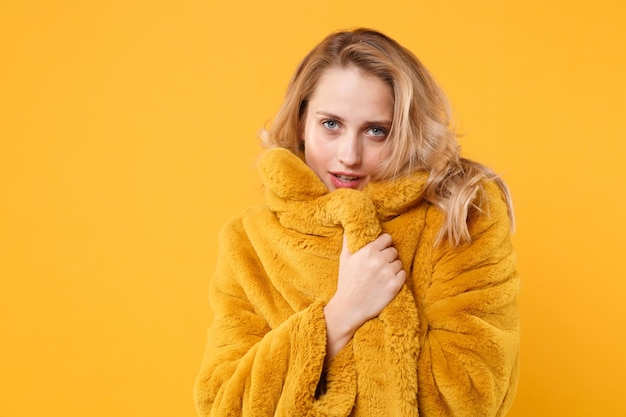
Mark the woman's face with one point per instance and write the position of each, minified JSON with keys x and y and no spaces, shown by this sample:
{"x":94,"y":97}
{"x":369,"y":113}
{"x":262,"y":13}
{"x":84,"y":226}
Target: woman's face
{"x":347,"y":121}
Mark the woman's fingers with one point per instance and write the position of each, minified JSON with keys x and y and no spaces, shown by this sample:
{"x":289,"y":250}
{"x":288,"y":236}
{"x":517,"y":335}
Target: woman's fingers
{"x":389,"y":254}
{"x":397,"y":266}
{"x":381,"y":242}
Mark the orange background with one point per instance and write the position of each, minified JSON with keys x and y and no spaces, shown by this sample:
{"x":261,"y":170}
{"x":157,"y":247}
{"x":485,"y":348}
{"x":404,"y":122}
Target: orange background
{"x":128,"y":137}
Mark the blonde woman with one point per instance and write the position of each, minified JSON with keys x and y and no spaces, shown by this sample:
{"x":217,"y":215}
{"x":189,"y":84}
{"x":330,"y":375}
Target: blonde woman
{"x":379,"y":279}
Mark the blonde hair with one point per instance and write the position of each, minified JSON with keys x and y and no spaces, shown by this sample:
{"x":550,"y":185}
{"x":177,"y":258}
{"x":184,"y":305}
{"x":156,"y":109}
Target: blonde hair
{"x":421,"y":136}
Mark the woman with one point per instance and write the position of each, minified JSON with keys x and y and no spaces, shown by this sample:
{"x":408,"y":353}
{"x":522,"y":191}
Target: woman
{"x":379,"y":280}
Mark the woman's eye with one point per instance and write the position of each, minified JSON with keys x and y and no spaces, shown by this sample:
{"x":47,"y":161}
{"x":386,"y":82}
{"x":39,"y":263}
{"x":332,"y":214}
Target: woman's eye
{"x":377,"y":131}
{"x":330,"y":124}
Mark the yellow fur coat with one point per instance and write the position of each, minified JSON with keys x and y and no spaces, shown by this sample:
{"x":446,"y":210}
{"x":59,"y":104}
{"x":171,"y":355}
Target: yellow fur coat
{"x":447,"y":345}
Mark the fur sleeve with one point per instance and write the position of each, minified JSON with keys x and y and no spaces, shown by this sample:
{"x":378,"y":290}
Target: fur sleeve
{"x":468,"y":365}
{"x":250,"y":369}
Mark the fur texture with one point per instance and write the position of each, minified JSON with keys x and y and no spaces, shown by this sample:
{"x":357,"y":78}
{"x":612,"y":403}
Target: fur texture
{"x":447,"y":345}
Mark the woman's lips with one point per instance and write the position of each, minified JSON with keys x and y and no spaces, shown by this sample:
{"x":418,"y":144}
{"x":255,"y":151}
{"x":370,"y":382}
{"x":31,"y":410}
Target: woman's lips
{"x":341,"y":180}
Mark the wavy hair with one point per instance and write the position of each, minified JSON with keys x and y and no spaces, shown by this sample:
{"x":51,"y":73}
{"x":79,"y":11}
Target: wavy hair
{"x":421,"y":137}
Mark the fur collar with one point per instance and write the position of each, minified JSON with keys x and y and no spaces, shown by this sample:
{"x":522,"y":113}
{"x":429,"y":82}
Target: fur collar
{"x":302,"y":202}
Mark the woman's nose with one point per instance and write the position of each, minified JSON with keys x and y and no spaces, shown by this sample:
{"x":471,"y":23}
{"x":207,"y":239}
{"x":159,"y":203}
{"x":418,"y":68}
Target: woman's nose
{"x":350,"y":151}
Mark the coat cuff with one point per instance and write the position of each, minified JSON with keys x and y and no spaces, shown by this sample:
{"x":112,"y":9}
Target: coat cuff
{"x":308,"y":351}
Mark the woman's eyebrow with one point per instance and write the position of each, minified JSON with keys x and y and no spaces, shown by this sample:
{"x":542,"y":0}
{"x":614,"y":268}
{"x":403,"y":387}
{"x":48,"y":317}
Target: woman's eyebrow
{"x":330,"y":115}
{"x":340,"y":119}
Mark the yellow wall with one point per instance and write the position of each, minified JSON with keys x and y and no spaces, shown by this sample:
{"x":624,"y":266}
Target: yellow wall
{"x":128,"y":136}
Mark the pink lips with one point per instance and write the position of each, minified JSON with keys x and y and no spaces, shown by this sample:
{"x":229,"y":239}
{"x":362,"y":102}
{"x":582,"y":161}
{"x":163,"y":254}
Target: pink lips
{"x":343,"y":180}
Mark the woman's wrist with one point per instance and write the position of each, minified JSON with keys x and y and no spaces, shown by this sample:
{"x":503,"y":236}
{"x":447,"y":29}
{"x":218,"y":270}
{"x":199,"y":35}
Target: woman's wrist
{"x":338,"y":329}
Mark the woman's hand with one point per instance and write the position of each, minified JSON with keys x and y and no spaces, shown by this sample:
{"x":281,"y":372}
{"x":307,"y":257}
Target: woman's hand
{"x":368,"y":280}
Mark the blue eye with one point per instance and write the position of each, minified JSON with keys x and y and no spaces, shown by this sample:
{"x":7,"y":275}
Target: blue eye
{"x":330,"y":124}
{"x":377,"y":131}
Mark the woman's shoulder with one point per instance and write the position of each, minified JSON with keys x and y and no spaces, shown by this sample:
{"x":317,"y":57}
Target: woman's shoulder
{"x":247,"y":213}
{"x":491,"y":204}
{"x":490,"y":211}
{"x":489,"y":220}
{"x":238,"y":226}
